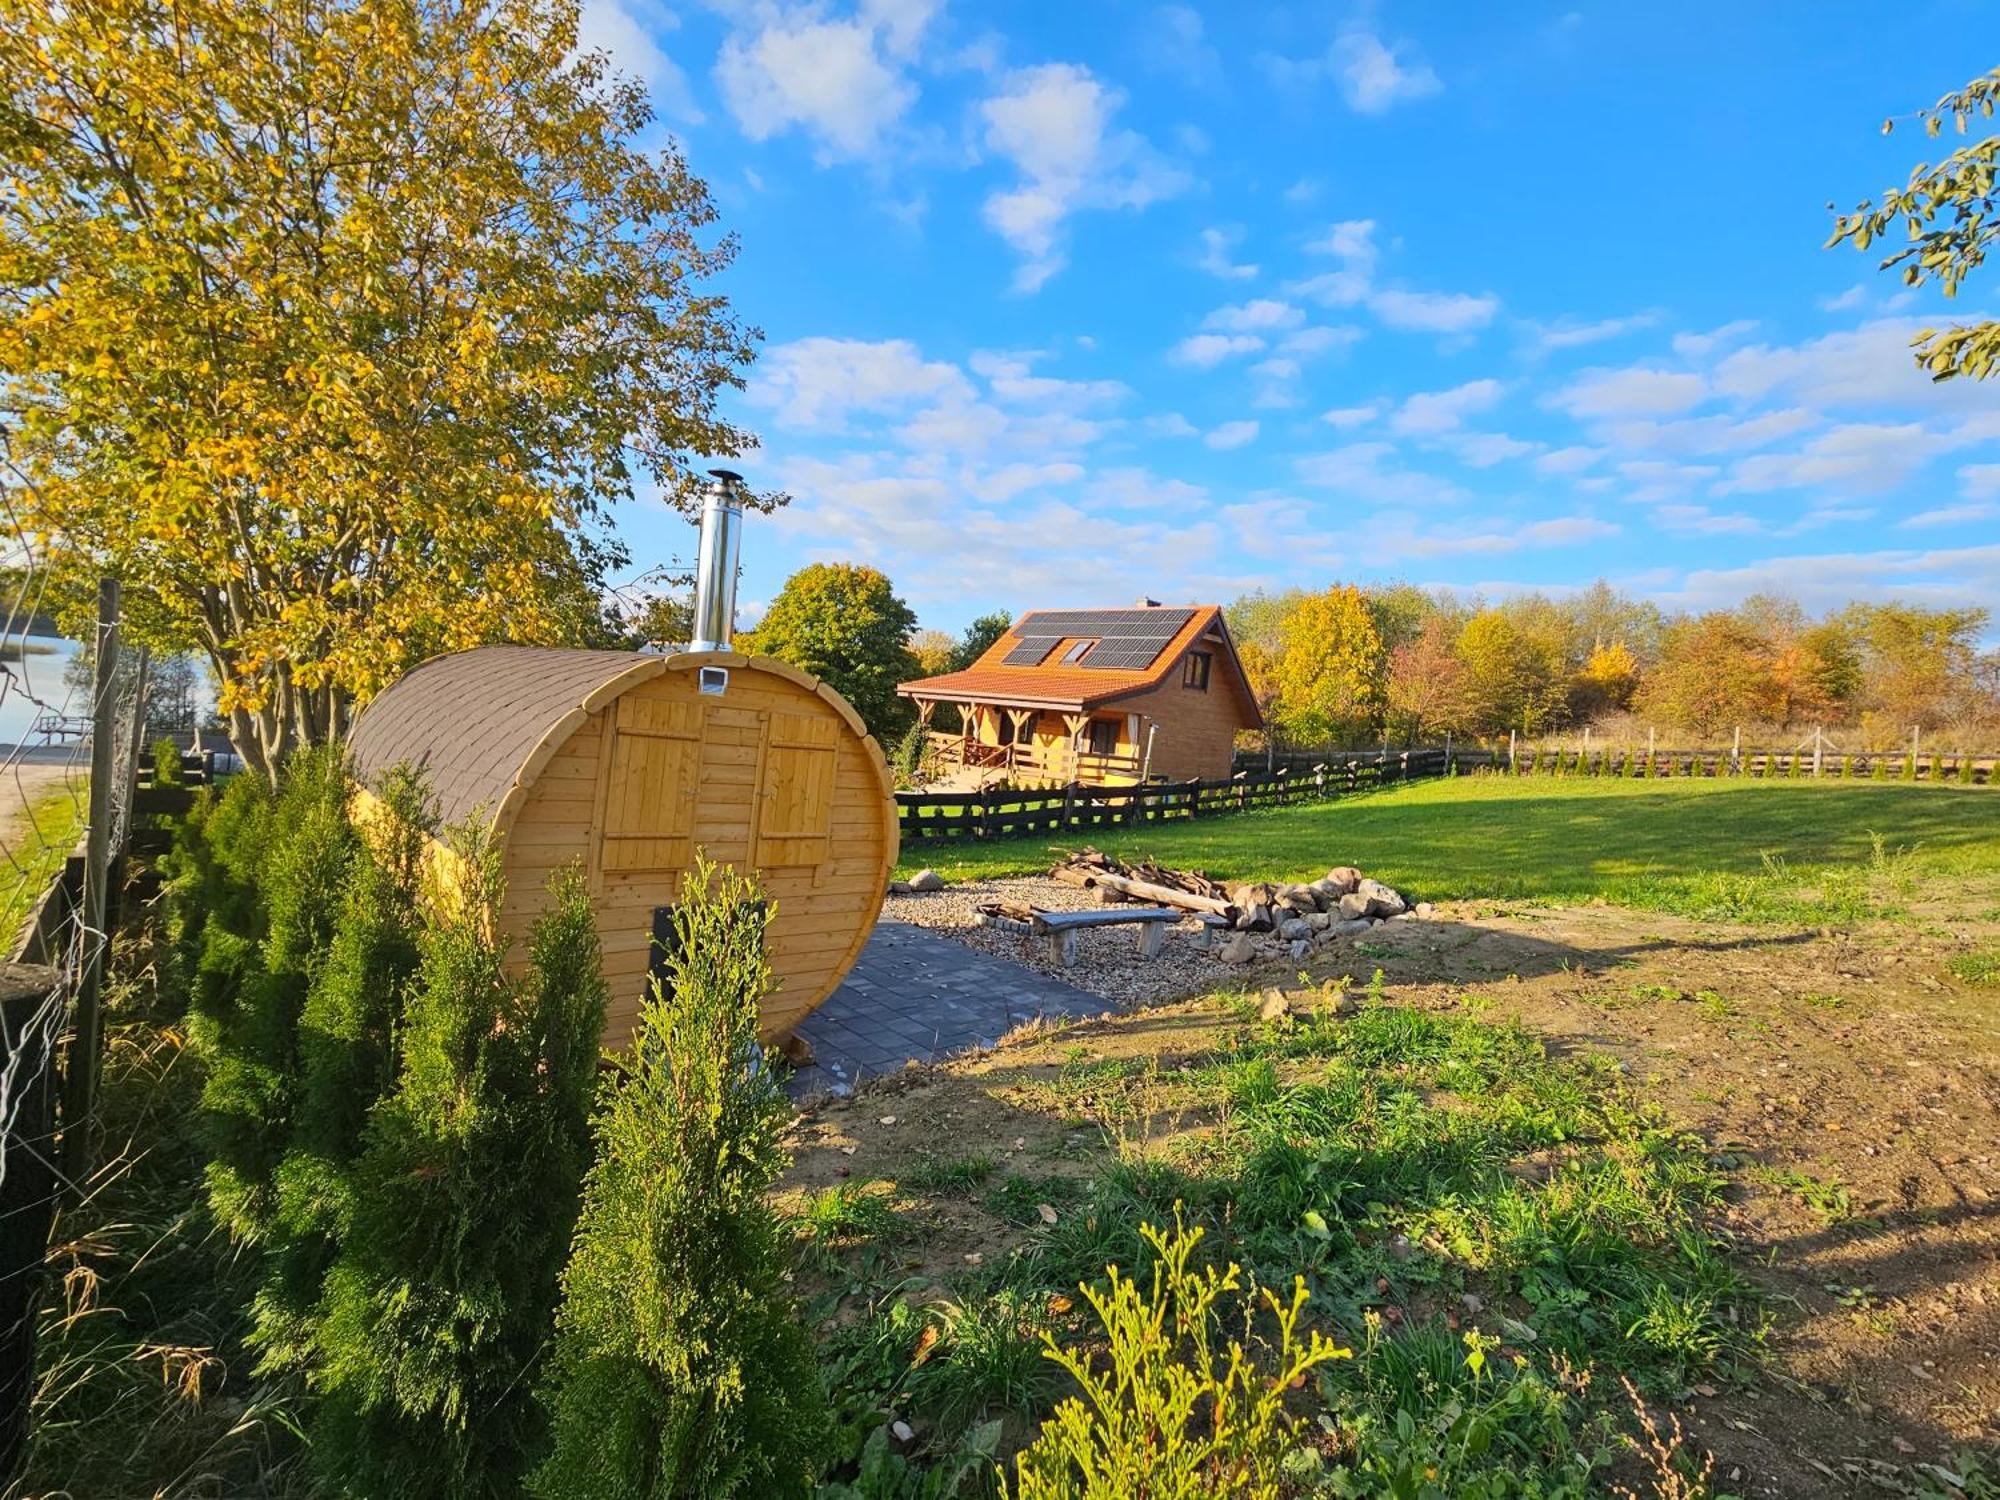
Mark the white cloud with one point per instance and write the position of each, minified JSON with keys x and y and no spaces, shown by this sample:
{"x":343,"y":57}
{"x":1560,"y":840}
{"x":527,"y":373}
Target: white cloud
{"x":1217,"y":249}
{"x":1174,"y":41}
{"x":1352,"y":242}
{"x":1011,"y":378}
{"x":1571,"y":460}
{"x":1482,"y":450}
{"x":1434,"y":312}
{"x":623,"y":30}
{"x":1953,"y":515}
{"x":1568,"y":333}
{"x":1261,"y":315}
{"x":1980,"y":481}
{"x":1171,"y":424}
{"x":1321,"y":339}
{"x":1231,"y":435}
{"x":1943,"y":577}
{"x":1053,"y":123}
{"x":1004,"y":483}
{"x":1345,"y":417}
{"x":1305,"y":190}
{"x":1865,"y":366}
{"x":1699,"y":520}
{"x":1633,"y":392}
{"x":1372,"y":472}
{"x":1206,"y":350}
{"x":1855,"y":296}
{"x":1860,"y":457}
{"x":820,"y":382}
{"x":842,"y":82}
{"x":1440,"y":411}
{"x":1374,"y":75}
{"x":1565,"y":531}
{"x":1701,"y":345}
{"x":1706,"y":436}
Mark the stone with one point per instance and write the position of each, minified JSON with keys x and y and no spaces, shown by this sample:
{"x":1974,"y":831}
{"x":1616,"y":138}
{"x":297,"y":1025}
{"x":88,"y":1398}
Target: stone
{"x":1298,"y":898}
{"x":1240,"y":949}
{"x":1255,"y":918}
{"x":1425,"y":910}
{"x":1300,"y":947}
{"x":1353,"y":906}
{"x":797,"y":1051}
{"x":1272,"y":1005}
{"x":899,"y":887}
{"x":1380,"y":900}
{"x":1326,"y":892}
{"x":1319,"y":921}
{"x":1349,"y":928}
{"x":1294,"y":930}
{"x":927,"y":880}
{"x":1343,"y":879}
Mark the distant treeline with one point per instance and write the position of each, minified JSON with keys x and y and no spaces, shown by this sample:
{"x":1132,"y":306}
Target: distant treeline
{"x":1354,"y":665}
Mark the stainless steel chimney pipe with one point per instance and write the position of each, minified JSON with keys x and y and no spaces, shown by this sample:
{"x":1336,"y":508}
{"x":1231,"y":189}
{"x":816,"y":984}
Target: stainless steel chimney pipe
{"x":715,"y":566}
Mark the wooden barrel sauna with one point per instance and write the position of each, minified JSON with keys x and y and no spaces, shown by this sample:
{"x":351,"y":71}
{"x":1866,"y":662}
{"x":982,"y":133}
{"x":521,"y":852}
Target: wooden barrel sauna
{"x":631,"y":763}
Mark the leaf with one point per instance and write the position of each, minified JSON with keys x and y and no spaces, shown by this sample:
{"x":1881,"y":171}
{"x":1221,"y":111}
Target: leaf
{"x":1047,"y":1211}
{"x":1314,"y":1223}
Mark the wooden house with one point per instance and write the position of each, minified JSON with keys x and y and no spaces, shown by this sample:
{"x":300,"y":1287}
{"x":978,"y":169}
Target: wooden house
{"x":630,"y":763}
{"x":1099,"y":696}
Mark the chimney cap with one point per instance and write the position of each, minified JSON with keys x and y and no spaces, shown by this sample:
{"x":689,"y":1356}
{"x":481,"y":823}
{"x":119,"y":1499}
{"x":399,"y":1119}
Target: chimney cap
{"x":729,"y":477}
{"x":1146,"y":603}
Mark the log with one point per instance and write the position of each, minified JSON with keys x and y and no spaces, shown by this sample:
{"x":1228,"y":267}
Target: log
{"x":1162,"y":895}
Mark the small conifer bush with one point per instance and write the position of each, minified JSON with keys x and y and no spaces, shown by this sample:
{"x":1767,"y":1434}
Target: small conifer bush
{"x":438,"y":1307}
{"x":681,"y":1368}
{"x":347,"y":1060}
{"x":1163,"y":1412}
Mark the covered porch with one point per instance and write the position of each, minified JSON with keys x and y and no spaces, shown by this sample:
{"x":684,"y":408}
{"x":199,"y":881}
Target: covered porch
{"x":1034,"y":744}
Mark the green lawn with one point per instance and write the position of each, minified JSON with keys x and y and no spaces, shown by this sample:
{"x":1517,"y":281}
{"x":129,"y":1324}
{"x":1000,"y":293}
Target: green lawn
{"x":1754,"y":850}
{"x":37,"y":842}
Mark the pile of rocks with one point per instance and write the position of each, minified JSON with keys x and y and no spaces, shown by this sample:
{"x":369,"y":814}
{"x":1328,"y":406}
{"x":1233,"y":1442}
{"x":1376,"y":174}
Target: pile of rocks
{"x":1339,"y":904}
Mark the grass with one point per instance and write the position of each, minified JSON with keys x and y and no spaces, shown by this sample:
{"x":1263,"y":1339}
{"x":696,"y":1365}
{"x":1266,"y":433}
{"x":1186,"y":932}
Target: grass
{"x":1727,"y":849}
{"x":1482,"y":1222}
{"x":1982,"y":968}
{"x":37,"y":842}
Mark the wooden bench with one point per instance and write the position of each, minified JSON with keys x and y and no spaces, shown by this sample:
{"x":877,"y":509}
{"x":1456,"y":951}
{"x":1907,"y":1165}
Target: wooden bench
{"x":1211,"y":927}
{"x":1061,"y":928}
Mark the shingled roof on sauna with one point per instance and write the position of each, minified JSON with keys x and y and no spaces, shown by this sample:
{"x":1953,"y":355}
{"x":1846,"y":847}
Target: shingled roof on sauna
{"x":472,"y":721}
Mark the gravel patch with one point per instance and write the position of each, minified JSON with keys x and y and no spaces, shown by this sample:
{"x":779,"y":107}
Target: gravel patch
{"x":1108,"y":961}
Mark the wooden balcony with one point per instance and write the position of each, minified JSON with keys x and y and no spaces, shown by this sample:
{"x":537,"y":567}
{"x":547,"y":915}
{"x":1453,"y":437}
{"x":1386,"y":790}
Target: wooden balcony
{"x":1055,"y":764}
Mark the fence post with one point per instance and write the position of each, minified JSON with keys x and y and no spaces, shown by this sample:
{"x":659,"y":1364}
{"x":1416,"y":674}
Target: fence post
{"x":31,"y":1011}
{"x":86,"y":1045}
{"x":1736,"y":753}
{"x":1818,"y":749}
{"x":1512,"y":768}
{"x":1913,"y":751}
{"x":1447,"y":752}
{"x":1069,"y":805}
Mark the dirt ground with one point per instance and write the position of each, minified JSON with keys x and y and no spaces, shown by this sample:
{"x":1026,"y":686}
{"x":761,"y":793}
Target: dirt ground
{"x":1849,"y":1078}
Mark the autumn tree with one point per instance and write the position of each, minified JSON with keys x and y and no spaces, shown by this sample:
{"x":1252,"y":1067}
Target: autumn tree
{"x":1947,"y":216}
{"x":1425,"y":687}
{"x":1329,"y":668}
{"x":843,"y":623}
{"x":1606,"y":682}
{"x":1916,"y":662}
{"x":335,"y":328}
{"x":1714,"y":672}
{"x":933,"y":651}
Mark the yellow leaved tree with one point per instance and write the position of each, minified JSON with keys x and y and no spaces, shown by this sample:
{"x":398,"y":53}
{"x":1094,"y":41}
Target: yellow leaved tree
{"x":333,"y":328}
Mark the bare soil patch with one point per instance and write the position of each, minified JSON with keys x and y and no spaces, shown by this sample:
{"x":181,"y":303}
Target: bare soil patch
{"x":1849,"y":1080}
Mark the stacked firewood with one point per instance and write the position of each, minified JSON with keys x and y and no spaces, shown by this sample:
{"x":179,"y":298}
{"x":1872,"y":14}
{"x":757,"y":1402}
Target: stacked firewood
{"x":1340,"y":902}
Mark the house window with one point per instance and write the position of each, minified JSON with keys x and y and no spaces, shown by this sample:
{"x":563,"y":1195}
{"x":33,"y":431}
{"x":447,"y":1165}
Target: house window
{"x":1194,"y":671}
{"x":1103,"y":736}
{"x":1077,"y":653}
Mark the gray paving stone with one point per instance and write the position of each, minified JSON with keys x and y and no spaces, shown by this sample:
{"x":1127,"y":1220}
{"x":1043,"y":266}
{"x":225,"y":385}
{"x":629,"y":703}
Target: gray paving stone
{"x":914,"y":994}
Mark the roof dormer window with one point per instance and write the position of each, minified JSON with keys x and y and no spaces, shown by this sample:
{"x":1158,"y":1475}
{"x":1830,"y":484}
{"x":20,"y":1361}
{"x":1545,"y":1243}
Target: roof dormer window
{"x":1077,"y":652}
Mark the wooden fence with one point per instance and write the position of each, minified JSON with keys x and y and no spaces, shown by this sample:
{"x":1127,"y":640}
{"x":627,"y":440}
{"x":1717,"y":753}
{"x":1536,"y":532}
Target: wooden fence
{"x":1761,"y":765}
{"x":954,"y":817}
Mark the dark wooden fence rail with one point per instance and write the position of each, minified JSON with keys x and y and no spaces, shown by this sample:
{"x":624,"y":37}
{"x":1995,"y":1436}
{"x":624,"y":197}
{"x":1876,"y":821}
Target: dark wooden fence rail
{"x":953,"y":817}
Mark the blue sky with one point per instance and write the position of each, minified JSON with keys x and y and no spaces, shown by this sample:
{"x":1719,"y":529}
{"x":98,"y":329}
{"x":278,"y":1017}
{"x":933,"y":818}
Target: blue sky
{"x":1066,"y":304}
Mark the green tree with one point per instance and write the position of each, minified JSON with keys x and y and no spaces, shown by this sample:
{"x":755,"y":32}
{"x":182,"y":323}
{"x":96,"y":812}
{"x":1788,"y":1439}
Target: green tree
{"x":978,"y":637}
{"x":1514,"y":679}
{"x":1947,"y":215}
{"x":934,"y":652}
{"x":681,"y":1368}
{"x":1329,"y":669}
{"x":334,"y":328}
{"x":843,"y":623}
{"x":440,"y":1302}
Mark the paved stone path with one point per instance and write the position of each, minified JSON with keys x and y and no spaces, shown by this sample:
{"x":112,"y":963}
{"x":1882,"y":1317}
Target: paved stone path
{"x":915,"y":994}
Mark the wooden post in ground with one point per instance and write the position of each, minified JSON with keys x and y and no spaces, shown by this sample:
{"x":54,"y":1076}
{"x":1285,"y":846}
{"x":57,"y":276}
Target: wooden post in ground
{"x":1914,"y":731}
{"x":1736,"y":753}
{"x":31,"y":1008}
{"x":1818,"y":749}
{"x":1447,"y":752}
{"x":1513,"y":768}
{"x":86,"y":1045}
{"x":1649,"y":749}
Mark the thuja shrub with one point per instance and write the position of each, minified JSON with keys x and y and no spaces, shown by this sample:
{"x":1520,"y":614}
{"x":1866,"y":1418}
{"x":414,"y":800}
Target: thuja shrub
{"x":250,"y":1051}
{"x":440,"y":1300}
{"x":1163,"y":1411}
{"x":681,"y":1367}
{"x":215,"y":912}
{"x":347,"y":1060}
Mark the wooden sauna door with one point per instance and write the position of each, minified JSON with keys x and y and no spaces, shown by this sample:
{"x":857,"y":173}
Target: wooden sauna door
{"x":795,"y":791}
{"x":651,"y":785}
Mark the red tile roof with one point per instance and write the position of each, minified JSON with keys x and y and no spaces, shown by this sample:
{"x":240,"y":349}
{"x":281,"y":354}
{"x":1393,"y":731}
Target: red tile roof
{"x":1073,"y":688}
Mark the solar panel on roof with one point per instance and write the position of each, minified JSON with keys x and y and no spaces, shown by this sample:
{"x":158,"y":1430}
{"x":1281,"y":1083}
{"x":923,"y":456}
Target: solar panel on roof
{"x":1030,"y":650}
